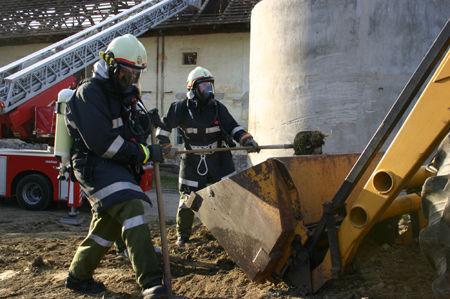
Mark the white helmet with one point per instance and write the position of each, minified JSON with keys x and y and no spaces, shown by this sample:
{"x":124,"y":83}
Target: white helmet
{"x":197,"y":75}
{"x":125,"y":52}
{"x":200,"y":85}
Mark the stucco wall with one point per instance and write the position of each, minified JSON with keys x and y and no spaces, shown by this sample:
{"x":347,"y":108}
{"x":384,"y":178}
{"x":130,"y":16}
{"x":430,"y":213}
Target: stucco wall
{"x":9,"y":54}
{"x":225,"y":55}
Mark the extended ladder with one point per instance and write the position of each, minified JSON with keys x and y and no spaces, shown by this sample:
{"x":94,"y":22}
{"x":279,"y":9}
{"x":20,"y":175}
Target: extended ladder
{"x":23,"y":79}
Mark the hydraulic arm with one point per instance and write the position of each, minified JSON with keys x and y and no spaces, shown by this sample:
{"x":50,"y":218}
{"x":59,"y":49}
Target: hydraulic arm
{"x":276,"y":219}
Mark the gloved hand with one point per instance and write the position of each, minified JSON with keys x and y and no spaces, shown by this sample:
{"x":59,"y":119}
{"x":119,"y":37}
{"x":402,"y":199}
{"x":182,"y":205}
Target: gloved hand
{"x":154,"y":117}
{"x":156,"y":154}
{"x":248,"y":141}
{"x":152,"y":152}
{"x":168,"y":151}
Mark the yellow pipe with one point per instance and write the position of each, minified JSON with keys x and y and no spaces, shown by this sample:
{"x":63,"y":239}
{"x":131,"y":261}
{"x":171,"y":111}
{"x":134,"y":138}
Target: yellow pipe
{"x":403,"y":205}
{"x":419,"y":178}
{"x":430,"y":118}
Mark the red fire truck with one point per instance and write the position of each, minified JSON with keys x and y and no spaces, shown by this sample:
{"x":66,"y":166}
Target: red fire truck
{"x":28,"y":92}
{"x":32,"y":175}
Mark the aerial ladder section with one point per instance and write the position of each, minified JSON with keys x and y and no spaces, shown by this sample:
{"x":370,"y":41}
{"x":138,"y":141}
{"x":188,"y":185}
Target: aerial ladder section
{"x":27,"y":77}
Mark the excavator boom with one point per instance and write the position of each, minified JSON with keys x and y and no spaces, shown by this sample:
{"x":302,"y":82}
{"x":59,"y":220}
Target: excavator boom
{"x":301,"y":219}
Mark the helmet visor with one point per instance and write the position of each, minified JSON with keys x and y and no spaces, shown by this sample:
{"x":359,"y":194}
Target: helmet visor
{"x":128,"y":76}
{"x":206,"y":88}
{"x":205,"y":91}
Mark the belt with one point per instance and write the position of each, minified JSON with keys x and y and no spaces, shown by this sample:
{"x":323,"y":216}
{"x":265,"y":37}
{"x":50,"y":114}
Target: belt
{"x":203,"y":156}
{"x":200,"y":147}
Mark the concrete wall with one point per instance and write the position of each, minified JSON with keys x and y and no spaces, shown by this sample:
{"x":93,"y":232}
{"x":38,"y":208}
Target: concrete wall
{"x":336,"y":66}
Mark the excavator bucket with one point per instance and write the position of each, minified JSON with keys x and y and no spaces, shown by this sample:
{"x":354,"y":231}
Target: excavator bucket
{"x":256,"y":214}
{"x":271,"y":218}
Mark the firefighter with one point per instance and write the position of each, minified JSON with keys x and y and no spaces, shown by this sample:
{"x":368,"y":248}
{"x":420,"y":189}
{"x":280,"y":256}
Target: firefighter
{"x":203,"y":123}
{"x":105,"y":120}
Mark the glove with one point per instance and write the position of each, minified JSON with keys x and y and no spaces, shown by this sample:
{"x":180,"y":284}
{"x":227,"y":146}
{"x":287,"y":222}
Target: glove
{"x":156,"y":154}
{"x":154,"y":117}
{"x":152,"y":152}
{"x":248,"y":141}
{"x":168,"y":151}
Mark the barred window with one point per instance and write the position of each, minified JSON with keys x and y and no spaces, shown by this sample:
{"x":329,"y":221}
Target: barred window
{"x":190,"y":58}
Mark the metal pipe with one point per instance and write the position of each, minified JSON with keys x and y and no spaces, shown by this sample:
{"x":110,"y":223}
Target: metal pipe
{"x":402,"y":205}
{"x":162,"y":73}
{"x":418,"y":178}
{"x":241,"y":148}
{"x":157,"y":72}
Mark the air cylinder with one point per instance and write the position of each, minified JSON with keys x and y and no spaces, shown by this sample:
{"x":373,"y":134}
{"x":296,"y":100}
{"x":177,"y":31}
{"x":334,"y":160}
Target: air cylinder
{"x":63,"y":142}
{"x":333,"y":66}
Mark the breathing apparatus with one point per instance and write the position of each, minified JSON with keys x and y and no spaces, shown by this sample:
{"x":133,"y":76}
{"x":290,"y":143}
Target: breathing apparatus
{"x":63,"y":141}
{"x":127,"y":59}
{"x":139,"y":119}
{"x":200,"y":85}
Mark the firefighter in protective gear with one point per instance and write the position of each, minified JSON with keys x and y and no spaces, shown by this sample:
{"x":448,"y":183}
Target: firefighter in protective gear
{"x":107,"y":155}
{"x":203,"y":123}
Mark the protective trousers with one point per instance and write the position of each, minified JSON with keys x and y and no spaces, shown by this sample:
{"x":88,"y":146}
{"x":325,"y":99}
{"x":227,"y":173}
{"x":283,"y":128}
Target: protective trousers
{"x":218,"y":166}
{"x":185,"y":218}
{"x":125,"y":219}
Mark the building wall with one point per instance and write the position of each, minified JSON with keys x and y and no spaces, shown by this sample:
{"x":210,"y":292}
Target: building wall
{"x":225,"y":55}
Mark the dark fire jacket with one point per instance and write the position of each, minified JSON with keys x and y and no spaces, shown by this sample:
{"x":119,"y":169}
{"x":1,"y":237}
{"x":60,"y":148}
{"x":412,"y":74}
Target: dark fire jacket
{"x":202,"y":126}
{"x":103,"y":155}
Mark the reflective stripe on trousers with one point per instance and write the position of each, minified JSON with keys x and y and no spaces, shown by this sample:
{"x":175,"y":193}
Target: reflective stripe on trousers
{"x":124,"y":219}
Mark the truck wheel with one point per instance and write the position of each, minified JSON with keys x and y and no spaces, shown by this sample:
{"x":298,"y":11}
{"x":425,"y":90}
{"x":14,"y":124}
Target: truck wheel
{"x":433,"y":239}
{"x":34,"y":192}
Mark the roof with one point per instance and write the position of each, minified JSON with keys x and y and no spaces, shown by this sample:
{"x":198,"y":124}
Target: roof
{"x":51,"y":20}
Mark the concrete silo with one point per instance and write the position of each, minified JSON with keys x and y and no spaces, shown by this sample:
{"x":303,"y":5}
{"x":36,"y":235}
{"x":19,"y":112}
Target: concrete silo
{"x":335,"y":66}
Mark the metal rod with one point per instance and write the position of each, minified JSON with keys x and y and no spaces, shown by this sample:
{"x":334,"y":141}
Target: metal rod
{"x":241,"y":148}
{"x":157,"y":72}
{"x":163,"y":54}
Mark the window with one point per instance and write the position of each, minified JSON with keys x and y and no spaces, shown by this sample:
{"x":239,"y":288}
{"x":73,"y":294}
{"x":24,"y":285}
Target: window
{"x":190,"y":58}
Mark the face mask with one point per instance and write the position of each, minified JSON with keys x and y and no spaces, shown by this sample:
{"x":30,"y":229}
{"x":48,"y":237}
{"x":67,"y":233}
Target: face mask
{"x":125,"y":77}
{"x":205,"y":92}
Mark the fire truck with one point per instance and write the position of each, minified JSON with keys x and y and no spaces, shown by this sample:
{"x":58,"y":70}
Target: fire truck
{"x":28,"y":92}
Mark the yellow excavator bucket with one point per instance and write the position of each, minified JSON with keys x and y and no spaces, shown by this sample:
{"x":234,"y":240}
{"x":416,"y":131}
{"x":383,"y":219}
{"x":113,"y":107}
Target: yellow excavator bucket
{"x":302,"y":218}
{"x":256,"y":214}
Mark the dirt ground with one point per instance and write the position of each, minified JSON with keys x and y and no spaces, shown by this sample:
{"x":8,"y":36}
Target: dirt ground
{"x":36,"y":250}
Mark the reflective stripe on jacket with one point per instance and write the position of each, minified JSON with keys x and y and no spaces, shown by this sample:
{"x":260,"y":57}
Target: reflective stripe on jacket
{"x":201,"y":126}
